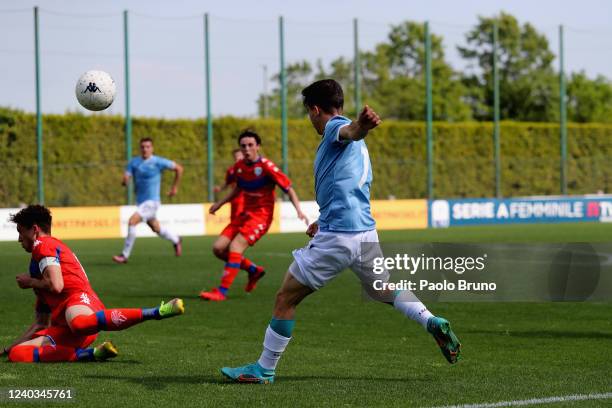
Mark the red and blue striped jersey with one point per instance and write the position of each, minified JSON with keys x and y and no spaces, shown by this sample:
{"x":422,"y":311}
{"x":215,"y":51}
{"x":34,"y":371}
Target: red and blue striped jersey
{"x":257,"y":181}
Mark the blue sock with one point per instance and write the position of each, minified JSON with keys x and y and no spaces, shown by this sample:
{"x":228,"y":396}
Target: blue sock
{"x":282,"y":327}
{"x":223,"y":290}
{"x":150,"y":313}
{"x":252,"y":269}
{"x":85,"y":354}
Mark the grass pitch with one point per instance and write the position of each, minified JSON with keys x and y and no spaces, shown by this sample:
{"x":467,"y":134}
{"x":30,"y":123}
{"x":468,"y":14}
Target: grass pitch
{"x":344,"y":352}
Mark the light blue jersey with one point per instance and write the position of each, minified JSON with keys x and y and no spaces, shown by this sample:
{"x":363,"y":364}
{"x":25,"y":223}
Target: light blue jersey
{"x":343,"y":175}
{"x":147,"y":176}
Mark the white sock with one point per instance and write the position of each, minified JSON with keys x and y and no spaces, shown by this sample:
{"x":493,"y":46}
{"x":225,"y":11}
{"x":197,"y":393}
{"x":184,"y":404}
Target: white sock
{"x":411,"y":307}
{"x":167,"y":234}
{"x":129,"y":241}
{"x":274,"y":345}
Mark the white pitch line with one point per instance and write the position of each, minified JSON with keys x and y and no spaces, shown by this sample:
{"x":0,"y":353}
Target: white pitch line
{"x":535,"y":401}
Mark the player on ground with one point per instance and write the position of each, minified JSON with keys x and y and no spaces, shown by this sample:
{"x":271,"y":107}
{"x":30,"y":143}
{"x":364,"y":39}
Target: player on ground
{"x":255,"y":178}
{"x":237,"y":204}
{"x":146,"y":170}
{"x":342,"y":184}
{"x":69,"y":313}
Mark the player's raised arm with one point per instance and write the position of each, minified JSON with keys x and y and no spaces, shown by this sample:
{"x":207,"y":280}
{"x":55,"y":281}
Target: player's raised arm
{"x":358,"y":129}
{"x":178,"y":173}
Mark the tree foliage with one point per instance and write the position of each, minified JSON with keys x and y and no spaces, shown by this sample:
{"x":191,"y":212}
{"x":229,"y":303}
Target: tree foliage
{"x":393,"y":78}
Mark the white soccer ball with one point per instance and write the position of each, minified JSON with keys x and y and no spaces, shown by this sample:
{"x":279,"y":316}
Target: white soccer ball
{"x":95,"y":90}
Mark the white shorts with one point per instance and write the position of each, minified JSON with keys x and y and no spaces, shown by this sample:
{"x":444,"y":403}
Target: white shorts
{"x":148,"y":209}
{"x":329,"y":253}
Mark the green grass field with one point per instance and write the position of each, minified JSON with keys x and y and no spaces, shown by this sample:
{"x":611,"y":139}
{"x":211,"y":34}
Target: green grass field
{"x":345,"y":352}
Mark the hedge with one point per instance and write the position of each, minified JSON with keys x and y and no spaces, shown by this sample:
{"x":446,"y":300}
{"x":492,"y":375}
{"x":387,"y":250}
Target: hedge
{"x":84,"y":157}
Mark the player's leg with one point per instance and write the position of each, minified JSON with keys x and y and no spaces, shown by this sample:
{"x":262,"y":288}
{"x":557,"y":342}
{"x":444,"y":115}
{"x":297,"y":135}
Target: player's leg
{"x":134,"y":220}
{"x":277,"y":336}
{"x":253,"y":230}
{"x":220,"y":247}
{"x":82,"y":320}
{"x":165,"y":233}
{"x":315,"y":265}
{"x":236,"y":248}
{"x":48,"y":349}
{"x":221,"y":250}
{"x":405,"y":301}
{"x":256,"y":272}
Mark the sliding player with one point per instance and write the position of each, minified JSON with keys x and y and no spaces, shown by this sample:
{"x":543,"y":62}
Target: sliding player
{"x":69,"y":313}
{"x":342,"y":182}
{"x":256,"y":178}
{"x":146,"y":170}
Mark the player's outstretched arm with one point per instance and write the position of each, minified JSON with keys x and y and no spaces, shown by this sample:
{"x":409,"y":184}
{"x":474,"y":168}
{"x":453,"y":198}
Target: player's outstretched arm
{"x":215,"y":207}
{"x":178,"y":173}
{"x":125,"y":179}
{"x":42,"y":321}
{"x":358,"y":129}
{"x":296,"y":203}
{"x":218,"y":189}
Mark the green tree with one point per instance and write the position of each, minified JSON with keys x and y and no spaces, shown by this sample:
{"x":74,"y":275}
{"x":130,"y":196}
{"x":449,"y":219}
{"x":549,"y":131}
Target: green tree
{"x":299,"y":75}
{"x":527,"y":81}
{"x":589,"y":100}
{"x":394,"y":76}
{"x":393,"y":79}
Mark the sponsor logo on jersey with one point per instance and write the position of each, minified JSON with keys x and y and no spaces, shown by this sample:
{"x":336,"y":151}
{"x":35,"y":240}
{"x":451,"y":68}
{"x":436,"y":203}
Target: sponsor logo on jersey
{"x":118,"y":318}
{"x":85,"y":298}
{"x":258,"y":170}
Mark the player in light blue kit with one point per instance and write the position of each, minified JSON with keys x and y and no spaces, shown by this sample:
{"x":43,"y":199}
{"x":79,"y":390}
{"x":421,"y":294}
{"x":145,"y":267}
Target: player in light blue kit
{"x":146,"y":170}
{"x":343,"y":175}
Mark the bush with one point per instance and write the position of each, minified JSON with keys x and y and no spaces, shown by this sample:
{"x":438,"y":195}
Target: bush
{"x":84,"y":157}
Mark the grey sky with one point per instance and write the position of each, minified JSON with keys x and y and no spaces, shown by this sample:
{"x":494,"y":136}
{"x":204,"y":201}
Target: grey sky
{"x":167,"y":68}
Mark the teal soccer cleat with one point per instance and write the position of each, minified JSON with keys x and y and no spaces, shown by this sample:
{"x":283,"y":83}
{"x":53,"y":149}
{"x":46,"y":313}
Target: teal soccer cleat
{"x":250,"y":373}
{"x":449,"y":344}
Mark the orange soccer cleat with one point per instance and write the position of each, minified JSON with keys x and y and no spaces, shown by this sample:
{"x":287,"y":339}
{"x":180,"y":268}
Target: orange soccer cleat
{"x":214,"y":295}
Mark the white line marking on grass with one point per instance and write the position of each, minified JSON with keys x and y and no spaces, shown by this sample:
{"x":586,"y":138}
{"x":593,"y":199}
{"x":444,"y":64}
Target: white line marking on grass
{"x":535,"y":401}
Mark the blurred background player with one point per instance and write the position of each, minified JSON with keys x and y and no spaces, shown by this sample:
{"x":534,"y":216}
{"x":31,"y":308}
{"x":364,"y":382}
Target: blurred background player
{"x":230,"y":182}
{"x":256,"y":178}
{"x":343,"y":175}
{"x":69,"y":313}
{"x":146,"y":170}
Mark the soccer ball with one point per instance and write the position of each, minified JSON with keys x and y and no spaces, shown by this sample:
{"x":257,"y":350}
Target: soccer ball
{"x":95,"y":90}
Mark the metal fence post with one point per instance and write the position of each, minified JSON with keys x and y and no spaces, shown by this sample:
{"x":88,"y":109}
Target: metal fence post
{"x":429,"y":113}
{"x":128,"y":117}
{"x":209,"y":119}
{"x":39,"y":129}
{"x":498,"y":192}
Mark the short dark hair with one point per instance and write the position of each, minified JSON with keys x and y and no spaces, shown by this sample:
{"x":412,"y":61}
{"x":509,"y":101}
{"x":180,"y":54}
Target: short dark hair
{"x":145,"y":139}
{"x":249,"y":133}
{"x":33,"y":215}
{"x":327,"y":94}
